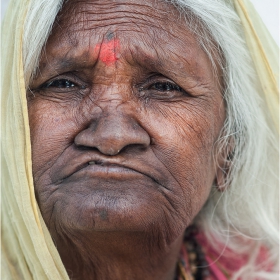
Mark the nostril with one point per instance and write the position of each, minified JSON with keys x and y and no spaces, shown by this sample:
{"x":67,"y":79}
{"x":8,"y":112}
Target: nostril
{"x":95,"y":162}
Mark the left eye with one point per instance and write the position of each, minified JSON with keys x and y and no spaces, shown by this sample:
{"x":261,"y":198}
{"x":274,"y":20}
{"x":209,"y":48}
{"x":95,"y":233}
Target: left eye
{"x":165,"y":86}
{"x":62,"y":83}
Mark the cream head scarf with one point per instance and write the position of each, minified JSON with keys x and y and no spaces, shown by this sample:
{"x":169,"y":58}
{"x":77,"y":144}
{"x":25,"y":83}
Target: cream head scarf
{"x":27,"y":248}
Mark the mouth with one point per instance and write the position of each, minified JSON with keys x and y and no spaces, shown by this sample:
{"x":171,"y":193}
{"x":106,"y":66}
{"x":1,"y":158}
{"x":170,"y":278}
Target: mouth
{"x":96,"y":166}
{"x":109,"y":168}
{"x":79,"y":165}
{"x":106,"y":171}
{"x":101,"y":163}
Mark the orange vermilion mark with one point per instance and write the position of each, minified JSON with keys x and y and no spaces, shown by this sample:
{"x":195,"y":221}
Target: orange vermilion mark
{"x":107,"y":51}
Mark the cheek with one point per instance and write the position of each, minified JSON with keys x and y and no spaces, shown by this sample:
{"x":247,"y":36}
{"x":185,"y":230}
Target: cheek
{"x":184,"y":141}
{"x":52,"y":129}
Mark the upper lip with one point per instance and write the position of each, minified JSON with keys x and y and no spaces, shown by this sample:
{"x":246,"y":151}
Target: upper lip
{"x":82,"y":159}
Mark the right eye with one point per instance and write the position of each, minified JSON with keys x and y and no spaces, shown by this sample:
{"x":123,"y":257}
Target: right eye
{"x":61,"y":83}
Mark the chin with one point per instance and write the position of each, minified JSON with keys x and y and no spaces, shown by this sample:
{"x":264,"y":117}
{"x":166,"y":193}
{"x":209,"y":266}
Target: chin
{"x":112,"y":206}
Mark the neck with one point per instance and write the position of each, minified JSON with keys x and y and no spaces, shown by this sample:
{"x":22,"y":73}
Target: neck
{"x":118,"y":255}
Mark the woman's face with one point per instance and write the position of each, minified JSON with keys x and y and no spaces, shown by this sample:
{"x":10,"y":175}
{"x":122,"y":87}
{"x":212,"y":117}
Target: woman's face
{"x":124,"y":113}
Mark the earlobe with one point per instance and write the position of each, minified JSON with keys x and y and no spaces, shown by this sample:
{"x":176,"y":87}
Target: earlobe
{"x":224,"y":165}
{"x":221,"y":179}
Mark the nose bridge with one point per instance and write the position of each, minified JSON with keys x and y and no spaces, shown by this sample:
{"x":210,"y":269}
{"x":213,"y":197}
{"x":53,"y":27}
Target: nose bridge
{"x":117,"y":113}
{"x":113,"y":92}
{"x":113,"y":124}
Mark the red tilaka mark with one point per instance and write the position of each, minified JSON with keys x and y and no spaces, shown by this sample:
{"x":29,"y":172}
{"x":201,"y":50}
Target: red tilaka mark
{"x":107,"y":51}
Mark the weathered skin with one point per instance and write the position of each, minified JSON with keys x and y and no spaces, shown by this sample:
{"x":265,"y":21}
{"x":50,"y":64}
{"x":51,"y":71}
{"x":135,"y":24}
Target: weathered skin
{"x":152,"y":143}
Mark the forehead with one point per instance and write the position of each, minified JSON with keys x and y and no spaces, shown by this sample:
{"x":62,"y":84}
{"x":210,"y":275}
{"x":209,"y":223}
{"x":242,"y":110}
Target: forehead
{"x":150,"y":35}
{"x":123,"y":15}
{"x":138,"y":25}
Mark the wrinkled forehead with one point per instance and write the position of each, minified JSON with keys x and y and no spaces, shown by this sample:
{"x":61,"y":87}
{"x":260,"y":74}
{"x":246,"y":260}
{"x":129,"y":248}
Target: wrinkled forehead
{"x":121,"y":14}
{"x":151,"y":34}
{"x":134,"y":20}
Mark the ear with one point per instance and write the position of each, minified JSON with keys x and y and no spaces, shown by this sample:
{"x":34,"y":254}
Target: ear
{"x":224,"y":160}
{"x":221,"y":180}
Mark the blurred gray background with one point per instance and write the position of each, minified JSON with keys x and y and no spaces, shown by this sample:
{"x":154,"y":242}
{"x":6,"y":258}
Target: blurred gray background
{"x":268,"y":9}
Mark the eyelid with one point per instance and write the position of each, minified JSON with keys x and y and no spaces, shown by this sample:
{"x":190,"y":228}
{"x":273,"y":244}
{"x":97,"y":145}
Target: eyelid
{"x":156,"y":78}
{"x":65,"y":76}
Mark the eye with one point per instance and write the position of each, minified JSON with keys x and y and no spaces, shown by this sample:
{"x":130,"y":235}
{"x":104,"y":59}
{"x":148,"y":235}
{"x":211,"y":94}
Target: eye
{"x":165,"y":86}
{"x":159,"y":87}
{"x":61,"y":83}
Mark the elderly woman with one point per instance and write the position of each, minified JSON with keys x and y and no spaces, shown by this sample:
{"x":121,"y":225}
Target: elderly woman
{"x":139,"y":142}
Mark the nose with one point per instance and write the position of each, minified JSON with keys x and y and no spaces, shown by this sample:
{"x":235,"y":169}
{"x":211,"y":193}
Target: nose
{"x":112,"y":133}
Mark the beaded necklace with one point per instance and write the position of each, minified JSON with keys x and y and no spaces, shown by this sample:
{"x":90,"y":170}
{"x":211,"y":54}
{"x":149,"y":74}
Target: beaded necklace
{"x":192,"y":264}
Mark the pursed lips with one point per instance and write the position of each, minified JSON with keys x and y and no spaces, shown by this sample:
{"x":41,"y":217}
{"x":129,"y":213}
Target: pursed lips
{"x":105,"y":169}
{"x":102,"y":166}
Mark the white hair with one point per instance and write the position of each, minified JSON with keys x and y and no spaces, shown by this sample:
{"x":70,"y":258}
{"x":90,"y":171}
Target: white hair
{"x":245,"y":215}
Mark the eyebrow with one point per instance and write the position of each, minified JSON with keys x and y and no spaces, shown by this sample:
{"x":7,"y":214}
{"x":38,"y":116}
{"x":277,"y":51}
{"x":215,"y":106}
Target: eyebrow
{"x":64,"y":64}
{"x":147,"y":59}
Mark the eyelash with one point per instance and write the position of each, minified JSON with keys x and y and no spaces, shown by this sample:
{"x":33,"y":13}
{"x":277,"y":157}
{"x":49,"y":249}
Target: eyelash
{"x":168,"y":87}
{"x":57,"y":84}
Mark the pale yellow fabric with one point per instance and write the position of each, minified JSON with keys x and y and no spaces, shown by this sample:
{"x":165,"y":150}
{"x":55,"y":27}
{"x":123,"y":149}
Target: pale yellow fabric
{"x":265,"y":55}
{"x":27,"y":249}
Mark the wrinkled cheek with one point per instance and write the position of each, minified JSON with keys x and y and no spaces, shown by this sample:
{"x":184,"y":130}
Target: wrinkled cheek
{"x":193,"y":169}
{"x":50,"y":136}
